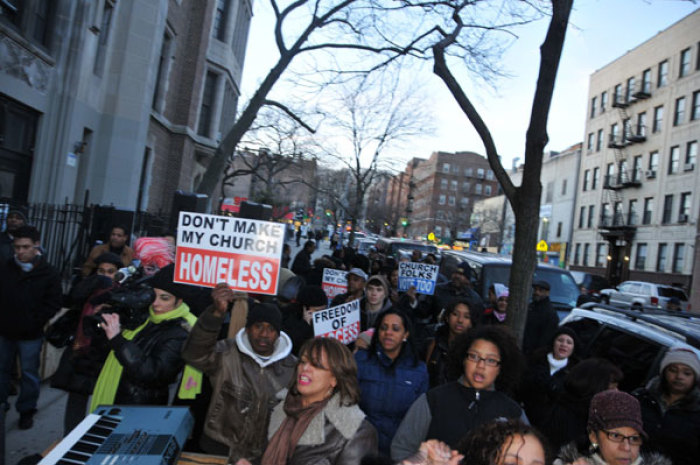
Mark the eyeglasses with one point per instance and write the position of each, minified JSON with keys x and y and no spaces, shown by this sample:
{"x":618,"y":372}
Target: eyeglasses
{"x":475,"y":358}
{"x":634,"y":440}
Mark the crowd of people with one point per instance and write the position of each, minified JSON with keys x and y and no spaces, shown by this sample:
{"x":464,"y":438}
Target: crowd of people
{"x":431,"y":379}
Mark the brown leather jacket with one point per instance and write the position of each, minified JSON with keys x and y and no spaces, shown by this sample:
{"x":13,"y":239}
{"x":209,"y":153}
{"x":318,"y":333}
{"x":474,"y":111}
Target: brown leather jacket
{"x":89,"y":266}
{"x":244,"y":387}
{"x":338,"y":435}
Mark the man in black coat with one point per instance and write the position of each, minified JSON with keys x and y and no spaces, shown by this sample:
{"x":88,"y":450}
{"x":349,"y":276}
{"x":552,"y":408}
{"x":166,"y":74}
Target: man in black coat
{"x":302,"y":262}
{"x":30,"y":294}
{"x":542,"y":321}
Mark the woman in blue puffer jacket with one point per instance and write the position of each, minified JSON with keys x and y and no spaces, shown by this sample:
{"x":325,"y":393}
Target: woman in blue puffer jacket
{"x":390,"y":374}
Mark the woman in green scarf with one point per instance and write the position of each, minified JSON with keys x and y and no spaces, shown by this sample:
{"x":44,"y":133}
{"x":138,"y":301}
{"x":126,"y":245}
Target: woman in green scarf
{"x":144,"y":361}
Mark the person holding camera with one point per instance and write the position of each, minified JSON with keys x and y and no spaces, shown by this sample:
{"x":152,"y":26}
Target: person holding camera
{"x":145,"y":360}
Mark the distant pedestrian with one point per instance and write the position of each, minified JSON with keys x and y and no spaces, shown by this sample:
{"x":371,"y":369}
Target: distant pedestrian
{"x":542,"y":321}
{"x":302,"y":262}
{"x":298,"y":236}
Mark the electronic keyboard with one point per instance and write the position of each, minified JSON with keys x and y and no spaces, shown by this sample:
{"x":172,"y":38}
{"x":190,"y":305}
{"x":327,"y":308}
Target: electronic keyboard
{"x":120,"y":434}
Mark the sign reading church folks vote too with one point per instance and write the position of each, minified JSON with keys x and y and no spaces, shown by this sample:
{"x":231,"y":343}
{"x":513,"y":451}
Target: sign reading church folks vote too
{"x":341,"y":322}
{"x":419,"y":275}
{"x":244,"y":253}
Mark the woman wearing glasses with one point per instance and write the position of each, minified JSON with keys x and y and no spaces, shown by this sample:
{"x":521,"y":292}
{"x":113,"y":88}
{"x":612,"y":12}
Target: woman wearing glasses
{"x":490,"y":364}
{"x":615,"y":434}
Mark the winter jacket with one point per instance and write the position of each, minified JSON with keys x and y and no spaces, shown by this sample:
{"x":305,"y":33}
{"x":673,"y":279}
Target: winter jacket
{"x":244,"y":386}
{"x":28,"y":299}
{"x":539,"y":389}
{"x":447,"y":413}
{"x":338,"y":435}
{"x":151,"y":362}
{"x":673,"y":430}
{"x":570,"y":454}
{"x":438,"y":364}
{"x":387,"y":392}
{"x":127,"y":256}
{"x":565,"y":420}
{"x":446,"y":293}
{"x":542,"y":322}
{"x":301,"y":265}
{"x":294,"y":325}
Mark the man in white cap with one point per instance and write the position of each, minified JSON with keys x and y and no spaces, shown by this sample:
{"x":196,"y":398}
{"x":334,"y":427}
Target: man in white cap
{"x":356,"y":287}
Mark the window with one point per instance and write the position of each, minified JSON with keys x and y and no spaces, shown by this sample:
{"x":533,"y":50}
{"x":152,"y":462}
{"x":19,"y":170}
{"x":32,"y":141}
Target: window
{"x":678,"y":251}
{"x":618,"y":220}
{"x":600,"y":255}
{"x":648,"y":210}
{"x":646,"y":81}
{"x":440,"y":215}
{"x":599,"y":141}
{"x":455,"y":169}
{"x":480,"y":173}
{"x":443,"y":184}
{"x":441,"y":199}
{"x":605,"y":214}
{"x":586,"y":253}
{"x":679,"y":113}
{"x":577,"y":253}
{"x":206,"y":109}
{"x":162,"y":74}
{"x":695,"y":112}
{"x":662,"y":78}
{"x":228,"y":109}
{"x":103,"y":38}
{"x":684,"y":68}
{"x":630,"y":89}
{"x":603,"y":101}
{"x":691,"y":154}
{"x":240,"y":30}
{"x":684,"y":208}
{"x":586,"y":179}
{"x":453,"y":185}
{"x":468,"y":172}
{"x":477,"y":189}
{"x":220,"y":17}
{"x":446,"y":168}
{"x":642,"y":124}
{"x":632,"y":213}
{"x":637,"y":168}
{"x":617,"y":95}
{"x":487,"y":190}
{"x":654,"y":160}
{"x":641,"y":256}
{"x":591,"y":216}
{"x":563,"y":187}
{"x":658,"y":118}
{"x":596,"y":177}
{"x":661,"y":257}
{"x":559,"y":227}
{"x":674,"y":161}
{"x":451,"y":201}
{"x":464,"y":201}
{"x":609,"y":175}
{"x":489,"y":175}
{"x":594,"y":105}
{"x":465,"y":186}
{"x":668,"y":209}
{"x":591,"y":141}
{"x":614,"y":133}
{"x":582,"y":217}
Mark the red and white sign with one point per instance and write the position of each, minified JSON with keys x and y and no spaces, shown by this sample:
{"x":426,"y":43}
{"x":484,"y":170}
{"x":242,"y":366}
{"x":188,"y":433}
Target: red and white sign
{"x":334,"y":282}
{"x":341,"y":322}
{"x":243,"y":253}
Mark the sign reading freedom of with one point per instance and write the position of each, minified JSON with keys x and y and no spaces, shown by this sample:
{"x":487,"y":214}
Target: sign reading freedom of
{"x":334,"y":282}
{"x":341,"y":322}
{"x":419,"y":275}
{"x":244,"y":253}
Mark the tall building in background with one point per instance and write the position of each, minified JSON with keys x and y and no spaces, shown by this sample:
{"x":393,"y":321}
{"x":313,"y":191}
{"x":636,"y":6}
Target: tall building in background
{"x":125,"y":99}
{"x":637,"y":206}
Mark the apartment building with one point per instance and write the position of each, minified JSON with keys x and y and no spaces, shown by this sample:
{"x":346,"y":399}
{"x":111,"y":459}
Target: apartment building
{"x":637,"y":203}
{"x":124,"y":100}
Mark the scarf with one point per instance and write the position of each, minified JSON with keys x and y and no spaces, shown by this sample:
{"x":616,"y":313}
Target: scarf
{"x":284,"y":441}
{"x":24,"y":266}
{"x":554,"y":364}
{"x":108,"y":381}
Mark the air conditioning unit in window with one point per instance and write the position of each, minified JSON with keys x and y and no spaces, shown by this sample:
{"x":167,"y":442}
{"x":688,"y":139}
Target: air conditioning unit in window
{"x":682,"y":218}
{"x":689,"y":167}
{"x":651,"y":174}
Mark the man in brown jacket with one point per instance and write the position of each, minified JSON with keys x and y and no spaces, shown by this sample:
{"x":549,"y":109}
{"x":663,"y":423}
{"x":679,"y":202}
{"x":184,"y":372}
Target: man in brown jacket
{"x":116,"y":245}
{"x":246,"y":371}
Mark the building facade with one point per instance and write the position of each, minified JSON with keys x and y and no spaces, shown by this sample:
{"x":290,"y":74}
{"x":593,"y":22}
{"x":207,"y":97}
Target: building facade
{"x":123,"y":99}
{"x":637,"y":206}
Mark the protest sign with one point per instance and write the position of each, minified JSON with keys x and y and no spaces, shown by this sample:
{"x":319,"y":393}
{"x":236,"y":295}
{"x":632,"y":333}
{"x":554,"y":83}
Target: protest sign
{"x":341,"y":322}
{"x":243,"y":253}
{"x":334,"y":282}
{"x":419,"y":275}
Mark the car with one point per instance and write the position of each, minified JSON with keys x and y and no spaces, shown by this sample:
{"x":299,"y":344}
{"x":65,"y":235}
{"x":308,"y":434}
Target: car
{"x":491,"y":268}
{"x":634,"y":341}
{"x":590,"y":283}
{"x":363,"y":245}
{"x":640,"y":295}
{"x":391,"y":247}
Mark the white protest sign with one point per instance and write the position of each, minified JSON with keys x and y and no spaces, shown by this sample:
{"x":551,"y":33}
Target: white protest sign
{"x":341,"y":322}
{"x":334,"y":282}
{"x":243,"y":253}
{"x":419,"y":275}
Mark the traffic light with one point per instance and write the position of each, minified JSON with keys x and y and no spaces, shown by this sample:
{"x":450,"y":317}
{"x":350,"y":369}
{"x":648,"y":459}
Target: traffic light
{"x":404,"y":222}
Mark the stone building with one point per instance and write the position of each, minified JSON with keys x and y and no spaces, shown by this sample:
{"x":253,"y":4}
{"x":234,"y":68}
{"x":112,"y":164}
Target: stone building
{"x":637,"y":206}
{"x":125,"y":99}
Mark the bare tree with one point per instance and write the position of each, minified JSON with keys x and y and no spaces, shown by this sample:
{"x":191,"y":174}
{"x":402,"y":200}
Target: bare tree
{"x":525,"y":199}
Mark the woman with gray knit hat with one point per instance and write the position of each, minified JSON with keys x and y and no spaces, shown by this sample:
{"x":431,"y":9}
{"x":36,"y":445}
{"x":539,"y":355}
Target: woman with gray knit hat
{"x":615,"y":434}
{"x":671,"y":408}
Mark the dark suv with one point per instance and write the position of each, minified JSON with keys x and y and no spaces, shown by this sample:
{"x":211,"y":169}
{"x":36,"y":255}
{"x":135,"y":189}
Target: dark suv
{"x":492,"y":268}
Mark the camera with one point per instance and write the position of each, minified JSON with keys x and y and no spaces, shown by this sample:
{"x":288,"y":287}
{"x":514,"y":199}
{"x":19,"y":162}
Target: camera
{"x":130,"y":301}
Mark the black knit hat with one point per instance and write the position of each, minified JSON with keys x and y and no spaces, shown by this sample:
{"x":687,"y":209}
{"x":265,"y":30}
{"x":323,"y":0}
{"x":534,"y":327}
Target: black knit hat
{"x":163,"y":279}
{"x":109,"y":257}
{"x":615,"y":409}
{"x":269,"y":313}
{"x":312,"y":296}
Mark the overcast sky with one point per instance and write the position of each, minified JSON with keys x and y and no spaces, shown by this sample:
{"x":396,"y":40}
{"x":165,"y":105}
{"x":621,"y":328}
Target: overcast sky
{"x":599,"y":32}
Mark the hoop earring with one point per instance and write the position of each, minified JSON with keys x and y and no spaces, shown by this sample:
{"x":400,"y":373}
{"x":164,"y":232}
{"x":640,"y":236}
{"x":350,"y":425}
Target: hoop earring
{"x":593,"y":448}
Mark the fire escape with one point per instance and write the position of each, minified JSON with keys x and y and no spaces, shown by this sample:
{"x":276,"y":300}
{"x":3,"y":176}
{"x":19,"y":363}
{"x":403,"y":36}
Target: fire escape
{"x":617,"y":225}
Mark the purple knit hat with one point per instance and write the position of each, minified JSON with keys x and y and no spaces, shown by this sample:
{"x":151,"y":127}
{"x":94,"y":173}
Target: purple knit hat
{"x":614,"y":409}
